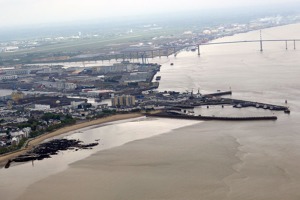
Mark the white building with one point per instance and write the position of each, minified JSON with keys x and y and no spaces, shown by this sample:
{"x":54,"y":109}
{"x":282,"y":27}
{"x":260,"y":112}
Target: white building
{"x":206,"y":32}
{"x":41,"y":107}
{"x":17,"y":72}
{"x":11,"y":49}
{"x":2,"y":144}
{"x":26,"y":131}
{"x":20,"y":119}
{"x":75,"y":104}
{"x":8,"y":77}
{"x":60,"y":85}
{"x":15,"y":141}
{"x":116,"y":68}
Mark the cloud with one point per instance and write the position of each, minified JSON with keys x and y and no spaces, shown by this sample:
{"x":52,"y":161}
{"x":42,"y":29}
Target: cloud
{"x":16,"y":12}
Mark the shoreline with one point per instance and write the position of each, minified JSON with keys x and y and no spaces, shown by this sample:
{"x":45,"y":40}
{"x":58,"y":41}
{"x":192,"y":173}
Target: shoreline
{"x":212,"y":160}
{"x":36,"y":141}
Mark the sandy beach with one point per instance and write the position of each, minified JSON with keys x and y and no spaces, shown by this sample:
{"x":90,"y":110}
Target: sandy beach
{"x":38,"y":140}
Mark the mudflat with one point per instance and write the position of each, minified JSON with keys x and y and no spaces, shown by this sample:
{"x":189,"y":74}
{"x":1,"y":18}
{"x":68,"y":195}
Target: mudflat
{"x":203,"y":161}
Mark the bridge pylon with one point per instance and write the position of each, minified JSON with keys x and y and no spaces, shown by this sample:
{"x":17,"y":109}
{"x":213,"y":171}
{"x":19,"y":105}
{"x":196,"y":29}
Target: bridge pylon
{"x":261,"y":44}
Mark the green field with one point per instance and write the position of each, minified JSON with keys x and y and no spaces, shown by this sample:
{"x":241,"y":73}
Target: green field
{"x":93,"y":44}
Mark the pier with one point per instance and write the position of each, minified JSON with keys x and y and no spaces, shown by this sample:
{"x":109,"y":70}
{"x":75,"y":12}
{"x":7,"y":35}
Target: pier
{"x":208,"y":118}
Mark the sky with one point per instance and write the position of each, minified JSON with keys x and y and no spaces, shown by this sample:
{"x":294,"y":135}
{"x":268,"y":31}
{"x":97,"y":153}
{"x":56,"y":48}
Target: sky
{"x":26,"y":12}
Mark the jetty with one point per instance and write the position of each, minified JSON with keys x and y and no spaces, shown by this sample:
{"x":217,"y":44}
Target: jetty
{"x":207,"y":118}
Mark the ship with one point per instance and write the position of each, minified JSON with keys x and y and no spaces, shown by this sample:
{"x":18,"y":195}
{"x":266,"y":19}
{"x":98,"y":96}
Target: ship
{"x":22,"y":89}
{"x":287,"y":111}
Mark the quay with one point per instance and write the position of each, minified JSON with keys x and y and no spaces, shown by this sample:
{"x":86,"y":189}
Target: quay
{"x":243,"y":104}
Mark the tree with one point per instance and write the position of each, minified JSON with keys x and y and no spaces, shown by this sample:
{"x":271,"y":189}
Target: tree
{"x":8,"y":134}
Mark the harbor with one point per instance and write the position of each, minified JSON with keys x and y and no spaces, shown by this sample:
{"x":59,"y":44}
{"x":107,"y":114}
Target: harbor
{"x":191,"y":105}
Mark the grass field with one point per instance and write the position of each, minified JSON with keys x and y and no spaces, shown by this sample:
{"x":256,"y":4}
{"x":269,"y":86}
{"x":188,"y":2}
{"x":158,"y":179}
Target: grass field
{"x":93,"y":44}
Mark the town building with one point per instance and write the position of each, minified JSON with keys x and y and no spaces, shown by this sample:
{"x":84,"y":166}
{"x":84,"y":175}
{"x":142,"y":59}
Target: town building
{"x":59,"y":85}
{"x":124,"y":100}
{"x":17,"y":72}
{"x":41,"y":107}
{"x":8,"y":77}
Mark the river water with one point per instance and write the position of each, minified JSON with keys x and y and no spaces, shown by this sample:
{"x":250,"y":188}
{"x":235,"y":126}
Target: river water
{"x":194,"y":160}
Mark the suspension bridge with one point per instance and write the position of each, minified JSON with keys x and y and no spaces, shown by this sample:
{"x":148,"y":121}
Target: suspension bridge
{"x":144,"y":53}
{"x":173,"y":50}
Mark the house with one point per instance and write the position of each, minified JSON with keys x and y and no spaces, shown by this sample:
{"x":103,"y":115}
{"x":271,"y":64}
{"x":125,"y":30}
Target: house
{"x":15,"y":141}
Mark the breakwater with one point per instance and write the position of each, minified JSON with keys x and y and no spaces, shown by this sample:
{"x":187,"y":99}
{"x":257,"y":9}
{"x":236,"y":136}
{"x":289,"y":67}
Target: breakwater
{"x":200,"y":117}
{"x":45,"y":150}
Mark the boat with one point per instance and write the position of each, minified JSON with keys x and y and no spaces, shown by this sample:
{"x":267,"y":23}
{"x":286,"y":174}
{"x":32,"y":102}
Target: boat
{"x":265,"y":107}
{"x":237,"y":106}
{"x":158,"y":78}
{"x":190,"y":112}
{"x":22,"y":89}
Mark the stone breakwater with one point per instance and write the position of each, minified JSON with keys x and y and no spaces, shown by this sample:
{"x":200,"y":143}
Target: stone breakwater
{"x":45,"y":150}
{"x":192,"y":117}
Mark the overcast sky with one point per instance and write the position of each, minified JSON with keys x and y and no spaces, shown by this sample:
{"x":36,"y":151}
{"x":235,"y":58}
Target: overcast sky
{"x":23,"y":12}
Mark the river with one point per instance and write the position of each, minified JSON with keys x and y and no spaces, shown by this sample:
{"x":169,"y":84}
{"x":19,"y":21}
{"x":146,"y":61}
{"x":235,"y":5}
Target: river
{"x":193,"y":160}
